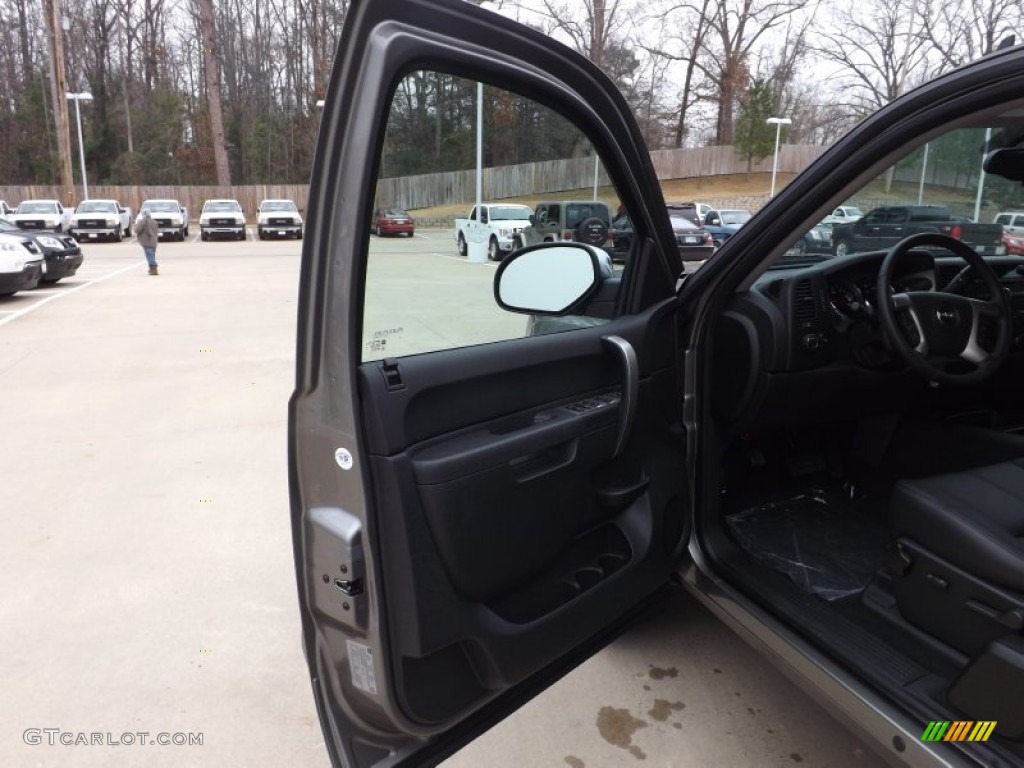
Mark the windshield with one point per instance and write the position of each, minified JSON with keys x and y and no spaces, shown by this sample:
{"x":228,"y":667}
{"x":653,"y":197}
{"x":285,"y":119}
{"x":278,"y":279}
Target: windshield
{"x":37,"y":208}
{"x":938,"y":185}
{"x":219,"y":206}
{"x":509,"y":213}
{"x":160,"y":205}
{"x":678,"y":222}
{"x":96,"y":206}
{"x":278,"y":205}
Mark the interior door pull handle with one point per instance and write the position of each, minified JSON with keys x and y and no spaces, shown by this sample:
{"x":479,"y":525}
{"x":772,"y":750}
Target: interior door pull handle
{"x":630,"y":387}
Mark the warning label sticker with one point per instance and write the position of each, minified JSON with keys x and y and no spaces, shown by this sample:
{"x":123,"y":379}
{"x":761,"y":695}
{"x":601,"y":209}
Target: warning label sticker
{"x":360,"y":662}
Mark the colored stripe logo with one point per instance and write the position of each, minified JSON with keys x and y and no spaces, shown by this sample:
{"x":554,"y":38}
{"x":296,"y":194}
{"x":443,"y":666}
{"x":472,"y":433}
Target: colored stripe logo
{"x":958,"y":730}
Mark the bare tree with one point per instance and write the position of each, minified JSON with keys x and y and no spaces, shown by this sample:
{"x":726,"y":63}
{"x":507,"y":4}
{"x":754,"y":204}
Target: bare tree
{"x":961,"y":32}
{"x":211,"y":71}
{"x":880,"y":51}
{"x":592,"y":33}
{"x":690,"y":23}
{"x":722,"y":40}
{"x":737,"y":28}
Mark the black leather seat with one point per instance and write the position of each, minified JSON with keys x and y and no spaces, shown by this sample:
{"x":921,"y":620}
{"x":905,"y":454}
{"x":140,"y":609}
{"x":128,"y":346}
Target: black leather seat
{"x":959,"y":565}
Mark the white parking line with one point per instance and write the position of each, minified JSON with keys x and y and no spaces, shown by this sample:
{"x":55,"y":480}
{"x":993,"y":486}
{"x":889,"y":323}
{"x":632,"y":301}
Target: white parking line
{"x":31,"y":307}
{"x":463,"y":260}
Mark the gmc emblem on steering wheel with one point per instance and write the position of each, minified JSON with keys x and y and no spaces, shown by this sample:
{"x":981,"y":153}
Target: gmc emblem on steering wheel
{"x":947,"y":315}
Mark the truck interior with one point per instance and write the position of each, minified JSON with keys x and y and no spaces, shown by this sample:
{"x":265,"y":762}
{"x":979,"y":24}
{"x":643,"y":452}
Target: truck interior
{"x":870,"y":430}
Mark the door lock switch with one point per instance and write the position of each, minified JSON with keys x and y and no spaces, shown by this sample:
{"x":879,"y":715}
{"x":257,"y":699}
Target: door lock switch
{"x":595,"y":403}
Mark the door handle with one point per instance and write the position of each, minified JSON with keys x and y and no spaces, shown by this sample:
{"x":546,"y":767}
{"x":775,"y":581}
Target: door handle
{"x":630,"y":387}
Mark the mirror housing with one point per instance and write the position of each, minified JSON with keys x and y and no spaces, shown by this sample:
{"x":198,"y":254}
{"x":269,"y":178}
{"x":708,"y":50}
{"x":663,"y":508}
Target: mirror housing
{"x":1007,"y":162}
{"x":550,"y":278}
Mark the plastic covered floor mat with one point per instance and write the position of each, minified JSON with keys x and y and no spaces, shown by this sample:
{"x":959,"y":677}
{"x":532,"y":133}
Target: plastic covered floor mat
{"x":825,"y":540}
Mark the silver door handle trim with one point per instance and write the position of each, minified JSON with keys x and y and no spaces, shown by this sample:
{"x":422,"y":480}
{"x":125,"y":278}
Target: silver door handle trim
{"x":630,"y":388}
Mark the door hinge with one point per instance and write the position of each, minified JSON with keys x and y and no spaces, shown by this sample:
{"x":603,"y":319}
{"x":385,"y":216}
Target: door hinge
{"x":392,"y":374}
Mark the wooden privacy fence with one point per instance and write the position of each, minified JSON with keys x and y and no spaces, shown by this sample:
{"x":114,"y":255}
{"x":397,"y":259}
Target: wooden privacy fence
{"x":719,"y":161}
{"x":427,"y":190}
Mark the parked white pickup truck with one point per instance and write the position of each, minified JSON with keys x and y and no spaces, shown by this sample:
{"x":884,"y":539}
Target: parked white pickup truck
{"x":844,"y":214}
{"x":499,"y":226}
{"x":42,"y":214}
{"x":171,"y":218}
{"x":96,"y":219}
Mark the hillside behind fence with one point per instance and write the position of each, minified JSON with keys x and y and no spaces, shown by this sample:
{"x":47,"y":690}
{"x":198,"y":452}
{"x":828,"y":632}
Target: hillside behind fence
{"x":424,"y":191}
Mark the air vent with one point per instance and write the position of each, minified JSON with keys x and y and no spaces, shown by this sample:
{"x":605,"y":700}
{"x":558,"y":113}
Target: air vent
{"x":804,"y":307}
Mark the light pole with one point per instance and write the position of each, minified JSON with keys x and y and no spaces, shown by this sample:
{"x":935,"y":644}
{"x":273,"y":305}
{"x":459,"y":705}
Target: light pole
{"x":84,"y":96}
{"x":778,"y":122}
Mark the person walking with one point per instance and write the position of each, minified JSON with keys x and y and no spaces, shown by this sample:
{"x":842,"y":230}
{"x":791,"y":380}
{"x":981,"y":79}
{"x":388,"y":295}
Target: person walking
{"x":148,"y":233}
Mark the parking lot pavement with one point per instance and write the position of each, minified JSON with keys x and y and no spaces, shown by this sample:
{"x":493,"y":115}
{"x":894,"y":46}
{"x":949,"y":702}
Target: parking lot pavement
{"x":679,"y":691}
{"x":146,"y":554}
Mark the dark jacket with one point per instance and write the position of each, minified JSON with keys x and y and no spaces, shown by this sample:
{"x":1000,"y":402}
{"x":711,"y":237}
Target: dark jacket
{"x":146,"y":230}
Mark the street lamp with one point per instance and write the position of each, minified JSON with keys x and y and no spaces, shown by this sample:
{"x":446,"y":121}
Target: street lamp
{"x":778,"y":122}
{"x":84,"y":96}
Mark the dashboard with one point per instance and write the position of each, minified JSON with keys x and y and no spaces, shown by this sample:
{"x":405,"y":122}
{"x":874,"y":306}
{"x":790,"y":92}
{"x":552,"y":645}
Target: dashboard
{"x":806,"y":341}
{"x":852,"y":298}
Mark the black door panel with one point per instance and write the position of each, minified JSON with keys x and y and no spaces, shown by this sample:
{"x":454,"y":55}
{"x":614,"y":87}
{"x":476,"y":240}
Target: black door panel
{"x":520,"y":528}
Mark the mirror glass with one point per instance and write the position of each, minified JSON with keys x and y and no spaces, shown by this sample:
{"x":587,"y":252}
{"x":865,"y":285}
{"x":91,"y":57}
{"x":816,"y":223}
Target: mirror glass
{"x":550,"y":278}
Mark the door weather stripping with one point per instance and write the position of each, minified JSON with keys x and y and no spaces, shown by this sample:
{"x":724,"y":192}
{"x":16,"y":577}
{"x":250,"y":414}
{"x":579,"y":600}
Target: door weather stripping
{"x":630,"y":387}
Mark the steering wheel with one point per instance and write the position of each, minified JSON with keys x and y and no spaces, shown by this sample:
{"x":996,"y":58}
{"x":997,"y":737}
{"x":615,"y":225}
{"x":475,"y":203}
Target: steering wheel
{"x":930,"y":329}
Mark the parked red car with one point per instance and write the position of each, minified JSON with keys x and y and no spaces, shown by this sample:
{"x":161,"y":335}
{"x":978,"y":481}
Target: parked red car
{"x":393,"y":221}
{"x":1014,"y":243}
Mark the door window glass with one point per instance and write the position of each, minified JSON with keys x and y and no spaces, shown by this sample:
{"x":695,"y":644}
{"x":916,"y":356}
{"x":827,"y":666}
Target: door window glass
{"x":433,"y":288}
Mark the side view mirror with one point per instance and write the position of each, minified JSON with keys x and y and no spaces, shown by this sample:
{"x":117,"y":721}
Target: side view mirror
{"x":714,"y":221}
{"x":1007,"y":162}
{"x":550,"y":278}
{"x":532,"y":219}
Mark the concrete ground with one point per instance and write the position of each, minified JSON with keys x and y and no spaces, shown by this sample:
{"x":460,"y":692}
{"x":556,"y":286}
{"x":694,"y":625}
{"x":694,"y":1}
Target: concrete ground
{"x":146,"y":555}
